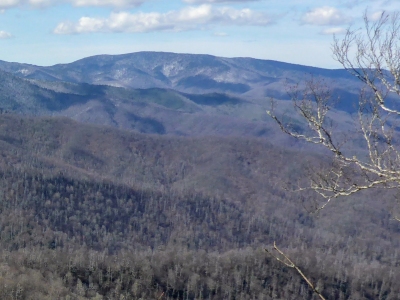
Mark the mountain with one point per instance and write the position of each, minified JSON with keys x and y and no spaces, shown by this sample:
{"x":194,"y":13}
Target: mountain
{"x":154,"y":110}
{"x":180,"y":193}
{"x":167,"y":93}
{"x":251,"y":78}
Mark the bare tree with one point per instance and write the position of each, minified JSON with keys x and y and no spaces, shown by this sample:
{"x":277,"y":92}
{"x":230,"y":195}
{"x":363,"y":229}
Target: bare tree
{"x":371,"y":54}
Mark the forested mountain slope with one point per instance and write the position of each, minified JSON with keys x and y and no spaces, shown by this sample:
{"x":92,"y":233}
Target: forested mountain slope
{"x":100,"y":212}
{"x":159,"y":111}
{"x":153,"y":110}
{"x":253,"y":79}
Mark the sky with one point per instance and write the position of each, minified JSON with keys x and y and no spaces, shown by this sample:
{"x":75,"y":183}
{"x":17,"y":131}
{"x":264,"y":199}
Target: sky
{"x":47,"y":32}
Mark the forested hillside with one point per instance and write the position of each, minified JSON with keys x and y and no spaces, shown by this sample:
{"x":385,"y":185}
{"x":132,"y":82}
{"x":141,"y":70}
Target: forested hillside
{"x":91,"y":212}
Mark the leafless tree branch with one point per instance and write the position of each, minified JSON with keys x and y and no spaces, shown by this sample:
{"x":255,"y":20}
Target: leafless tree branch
{"x":373,"y":56}
{"x":283,"y":258}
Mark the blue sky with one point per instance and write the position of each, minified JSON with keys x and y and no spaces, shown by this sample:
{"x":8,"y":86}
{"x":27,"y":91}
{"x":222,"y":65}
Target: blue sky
{"x":46,"y":32}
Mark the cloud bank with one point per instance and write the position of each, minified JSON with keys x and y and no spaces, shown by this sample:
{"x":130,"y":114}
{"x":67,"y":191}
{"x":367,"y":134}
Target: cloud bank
{"x":5,"y":4}
{"x":188,"y":18}
{"x":334,"y":30}
{"x":326,"y":15}
{"x":217,"y":1}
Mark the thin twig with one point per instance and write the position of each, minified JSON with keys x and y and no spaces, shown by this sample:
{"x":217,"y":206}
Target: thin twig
{"x":289,"y":263}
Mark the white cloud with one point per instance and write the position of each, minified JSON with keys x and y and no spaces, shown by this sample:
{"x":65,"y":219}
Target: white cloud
{"x":216,"y":1}
{"x":220,"y":34}
{"x":188,"y":18}
{"x":4,"y":4}
{"x":5,"y":35}
{"x":117,"y":3}
{"x":333,"y":30}
{"x":8,"y":3}
{"x":375,"y":16}
{"x":325,"y":16}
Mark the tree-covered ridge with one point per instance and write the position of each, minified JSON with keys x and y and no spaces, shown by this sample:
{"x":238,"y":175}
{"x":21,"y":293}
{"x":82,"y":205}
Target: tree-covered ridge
{"x":90,"y":211}
{"x":85,"y":239}
{"x":105,"y":216}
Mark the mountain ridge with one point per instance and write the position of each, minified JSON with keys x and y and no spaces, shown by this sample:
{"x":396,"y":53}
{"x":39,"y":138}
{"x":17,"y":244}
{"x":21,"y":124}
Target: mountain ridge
{"x":168,"y":93}
{"x":191,"y":73}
